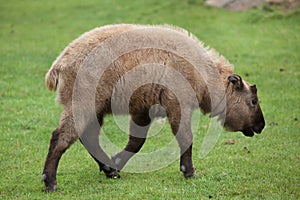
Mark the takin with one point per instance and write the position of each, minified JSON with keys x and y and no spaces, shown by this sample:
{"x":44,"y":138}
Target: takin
{"x":144,"y":71}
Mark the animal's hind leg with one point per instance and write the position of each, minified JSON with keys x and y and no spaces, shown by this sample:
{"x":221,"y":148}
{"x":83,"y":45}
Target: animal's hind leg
{"x":90,"y":139}
{"x":109,"y":171}
{"x":62,"y":138}
{"x":97,"y":161}
{"x":138,"y":128}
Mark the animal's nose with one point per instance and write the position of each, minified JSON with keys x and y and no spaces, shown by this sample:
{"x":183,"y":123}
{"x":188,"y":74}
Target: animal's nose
{"x":259,"y":127}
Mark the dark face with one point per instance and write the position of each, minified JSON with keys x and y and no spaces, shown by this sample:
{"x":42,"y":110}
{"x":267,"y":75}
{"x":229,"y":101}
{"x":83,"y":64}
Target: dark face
{"x":243,"y":112}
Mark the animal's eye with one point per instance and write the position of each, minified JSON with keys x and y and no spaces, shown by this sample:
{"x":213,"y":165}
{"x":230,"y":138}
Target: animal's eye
{"x":254,"y":101}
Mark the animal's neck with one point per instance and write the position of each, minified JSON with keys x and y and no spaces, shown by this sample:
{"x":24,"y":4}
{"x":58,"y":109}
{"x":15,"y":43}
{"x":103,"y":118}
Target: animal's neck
{"x":214,"y":101}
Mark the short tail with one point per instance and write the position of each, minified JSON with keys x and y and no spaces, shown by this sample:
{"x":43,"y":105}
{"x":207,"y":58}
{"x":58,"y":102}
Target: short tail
{"x":51,"y":78}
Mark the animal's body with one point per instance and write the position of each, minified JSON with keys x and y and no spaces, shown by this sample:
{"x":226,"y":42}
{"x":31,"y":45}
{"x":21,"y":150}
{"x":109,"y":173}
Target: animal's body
{"x":131,"y":69}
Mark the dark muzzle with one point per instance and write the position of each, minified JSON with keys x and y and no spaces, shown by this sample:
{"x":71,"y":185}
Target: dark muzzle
{"x":257,"y":128}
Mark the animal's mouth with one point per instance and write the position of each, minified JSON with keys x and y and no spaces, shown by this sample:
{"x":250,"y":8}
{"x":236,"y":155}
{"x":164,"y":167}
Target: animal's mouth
{"x":249,"y":132}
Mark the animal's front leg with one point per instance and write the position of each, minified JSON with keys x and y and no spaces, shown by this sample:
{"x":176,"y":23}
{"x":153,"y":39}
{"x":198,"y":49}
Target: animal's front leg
{"x":181,"y":128}
{"x":186,"y":163}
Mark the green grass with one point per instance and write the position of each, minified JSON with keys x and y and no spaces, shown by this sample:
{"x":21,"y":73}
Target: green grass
{"x":262,"y":43}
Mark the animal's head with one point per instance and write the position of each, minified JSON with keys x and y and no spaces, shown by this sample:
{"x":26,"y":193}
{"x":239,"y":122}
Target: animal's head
{"x":243,"y":112}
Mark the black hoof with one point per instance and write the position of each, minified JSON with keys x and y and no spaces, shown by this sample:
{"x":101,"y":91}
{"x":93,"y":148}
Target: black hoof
{"x":50,"y":186}
{"x":113,"y":175}
{"x":110,"y":172}
{"x":189,"y":175}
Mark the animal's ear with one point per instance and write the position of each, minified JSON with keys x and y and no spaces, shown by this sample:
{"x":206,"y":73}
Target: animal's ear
{"x":236,"y":80}
{"x":253,"y":89}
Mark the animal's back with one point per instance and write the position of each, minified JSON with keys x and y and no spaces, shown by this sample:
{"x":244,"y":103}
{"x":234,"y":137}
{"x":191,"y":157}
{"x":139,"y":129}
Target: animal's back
{"x":65,"y":68}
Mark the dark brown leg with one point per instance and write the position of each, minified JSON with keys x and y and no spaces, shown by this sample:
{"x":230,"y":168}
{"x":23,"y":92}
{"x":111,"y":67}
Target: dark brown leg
{"x":102,"y":167}
{"x":90,"y":140}
{"x":138,"y":128}
{"x":186,"y":163}
{"x":62,"y":138}
{"x":181,"y":128}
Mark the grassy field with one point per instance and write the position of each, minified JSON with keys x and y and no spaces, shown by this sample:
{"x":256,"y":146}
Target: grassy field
{"x":263,"y":44}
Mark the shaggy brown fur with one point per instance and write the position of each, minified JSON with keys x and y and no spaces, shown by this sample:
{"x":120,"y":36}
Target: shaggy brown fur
{"x":185,"y":75}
